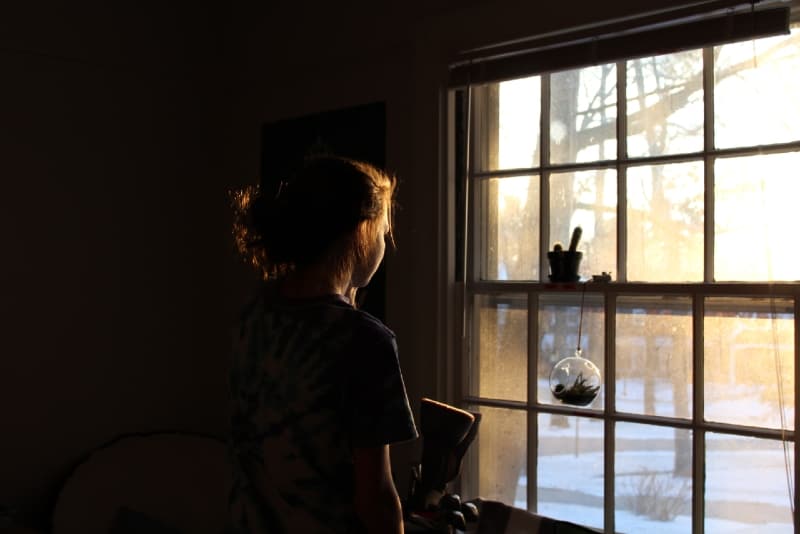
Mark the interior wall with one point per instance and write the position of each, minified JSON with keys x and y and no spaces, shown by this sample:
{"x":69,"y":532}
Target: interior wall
{"x":123,"y":126}
{"x":113,"y":249}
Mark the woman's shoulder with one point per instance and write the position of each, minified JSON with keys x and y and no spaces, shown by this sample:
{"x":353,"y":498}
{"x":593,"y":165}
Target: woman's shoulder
{"x":370,"y":332}
{"x":373,"y":324}
{"x":333,"y":309}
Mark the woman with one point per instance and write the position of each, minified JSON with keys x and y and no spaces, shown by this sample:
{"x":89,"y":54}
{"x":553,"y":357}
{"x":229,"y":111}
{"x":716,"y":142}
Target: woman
{"x":316,"y":386}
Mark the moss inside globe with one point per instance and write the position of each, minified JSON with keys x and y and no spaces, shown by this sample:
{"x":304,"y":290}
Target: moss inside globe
{"x":575,"y":381}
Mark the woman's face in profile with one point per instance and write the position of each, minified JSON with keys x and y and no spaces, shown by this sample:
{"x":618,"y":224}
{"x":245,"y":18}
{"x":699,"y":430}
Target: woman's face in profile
{"x":365,"y":269}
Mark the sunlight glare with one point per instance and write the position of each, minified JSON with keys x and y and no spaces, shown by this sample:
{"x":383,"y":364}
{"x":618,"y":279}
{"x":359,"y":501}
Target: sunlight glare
{"x":520,"y":105}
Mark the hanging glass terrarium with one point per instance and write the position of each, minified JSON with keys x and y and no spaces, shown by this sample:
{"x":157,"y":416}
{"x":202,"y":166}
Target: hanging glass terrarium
{"x":575,"y":380}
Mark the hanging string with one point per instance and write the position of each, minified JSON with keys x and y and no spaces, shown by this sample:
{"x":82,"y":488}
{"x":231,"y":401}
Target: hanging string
{"x":778,"y":365}
{"x":787,"y":459}
{"x":781,"y":406}
{"x":466,"y":193}
{"x":580,"y":321}
{"x":776,"y":353}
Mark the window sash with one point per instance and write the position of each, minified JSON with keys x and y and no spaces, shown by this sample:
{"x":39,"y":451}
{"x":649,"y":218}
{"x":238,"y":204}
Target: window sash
{"x":608,"y":413}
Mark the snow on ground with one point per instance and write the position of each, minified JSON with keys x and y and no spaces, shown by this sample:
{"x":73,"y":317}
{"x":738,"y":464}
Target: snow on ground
{"x":746,"y":483}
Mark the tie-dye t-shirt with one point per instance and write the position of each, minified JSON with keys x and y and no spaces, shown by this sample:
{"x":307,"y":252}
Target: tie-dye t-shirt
{"x":311,"y":380}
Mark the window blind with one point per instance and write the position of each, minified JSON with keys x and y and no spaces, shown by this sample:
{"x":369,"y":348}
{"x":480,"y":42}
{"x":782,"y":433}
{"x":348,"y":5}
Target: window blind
{"x":682,"y":28}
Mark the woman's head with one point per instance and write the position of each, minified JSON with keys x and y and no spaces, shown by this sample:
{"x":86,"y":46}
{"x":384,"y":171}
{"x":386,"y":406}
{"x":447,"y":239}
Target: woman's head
{"x":334,"y":212}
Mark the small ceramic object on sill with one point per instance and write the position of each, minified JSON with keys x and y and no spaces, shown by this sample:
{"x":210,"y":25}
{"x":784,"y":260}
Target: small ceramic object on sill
{"x":564,"y":264}
{"x":602,"y":278}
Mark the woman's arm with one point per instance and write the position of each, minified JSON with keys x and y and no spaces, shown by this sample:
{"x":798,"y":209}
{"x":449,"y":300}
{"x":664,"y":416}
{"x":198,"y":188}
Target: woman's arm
{"x":376,"y":501}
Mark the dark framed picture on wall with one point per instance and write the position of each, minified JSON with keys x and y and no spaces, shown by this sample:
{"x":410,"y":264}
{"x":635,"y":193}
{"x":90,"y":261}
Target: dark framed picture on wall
{"x":355,"y":132}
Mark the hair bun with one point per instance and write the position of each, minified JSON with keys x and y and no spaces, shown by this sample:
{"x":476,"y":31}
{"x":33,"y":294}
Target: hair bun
{"x":302,"y":217}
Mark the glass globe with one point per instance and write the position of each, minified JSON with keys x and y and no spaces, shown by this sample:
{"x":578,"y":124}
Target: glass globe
{"x":575,"y":380}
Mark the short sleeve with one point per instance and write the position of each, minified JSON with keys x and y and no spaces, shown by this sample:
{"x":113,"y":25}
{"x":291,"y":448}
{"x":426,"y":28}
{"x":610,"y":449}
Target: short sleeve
{"x":376,"y":403}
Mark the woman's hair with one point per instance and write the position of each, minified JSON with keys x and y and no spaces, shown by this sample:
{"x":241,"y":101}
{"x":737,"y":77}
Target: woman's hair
{"x":328,"y":212}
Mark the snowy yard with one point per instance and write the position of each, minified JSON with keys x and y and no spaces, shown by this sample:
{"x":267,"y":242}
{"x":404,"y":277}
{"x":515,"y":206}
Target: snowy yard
{"x":746,"y":478}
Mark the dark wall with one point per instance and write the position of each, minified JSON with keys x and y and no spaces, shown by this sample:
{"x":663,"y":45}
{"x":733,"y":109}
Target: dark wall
{"x":121,"y":128}
{"x":114,"y":247}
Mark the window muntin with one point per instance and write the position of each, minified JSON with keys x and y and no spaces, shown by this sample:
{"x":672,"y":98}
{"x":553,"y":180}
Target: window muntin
{"x":681,"y":207}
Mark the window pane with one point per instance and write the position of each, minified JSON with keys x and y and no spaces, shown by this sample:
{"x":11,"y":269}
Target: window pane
{"x":510,"y":228}
{"x":755,"y":217}
{"x":583,"y":114}
{"x":499,"y":367}
{"x":495,"y":465}
{"x":570,"y":469}
{"x":665,"y":104}
{"x":653,"y":478}
{"x":587,"y":199}
{"x":654,"y":356}
{"x":757,"y":84}
{"x":749,"y":361}
{"x":559,"y":320}
{"x":665,"y":222}
{"x":507,"y":119}
{"x":746,"y":487}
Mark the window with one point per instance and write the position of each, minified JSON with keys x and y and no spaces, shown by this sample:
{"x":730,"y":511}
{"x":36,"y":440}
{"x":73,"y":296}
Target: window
{"x":682,"y":170}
